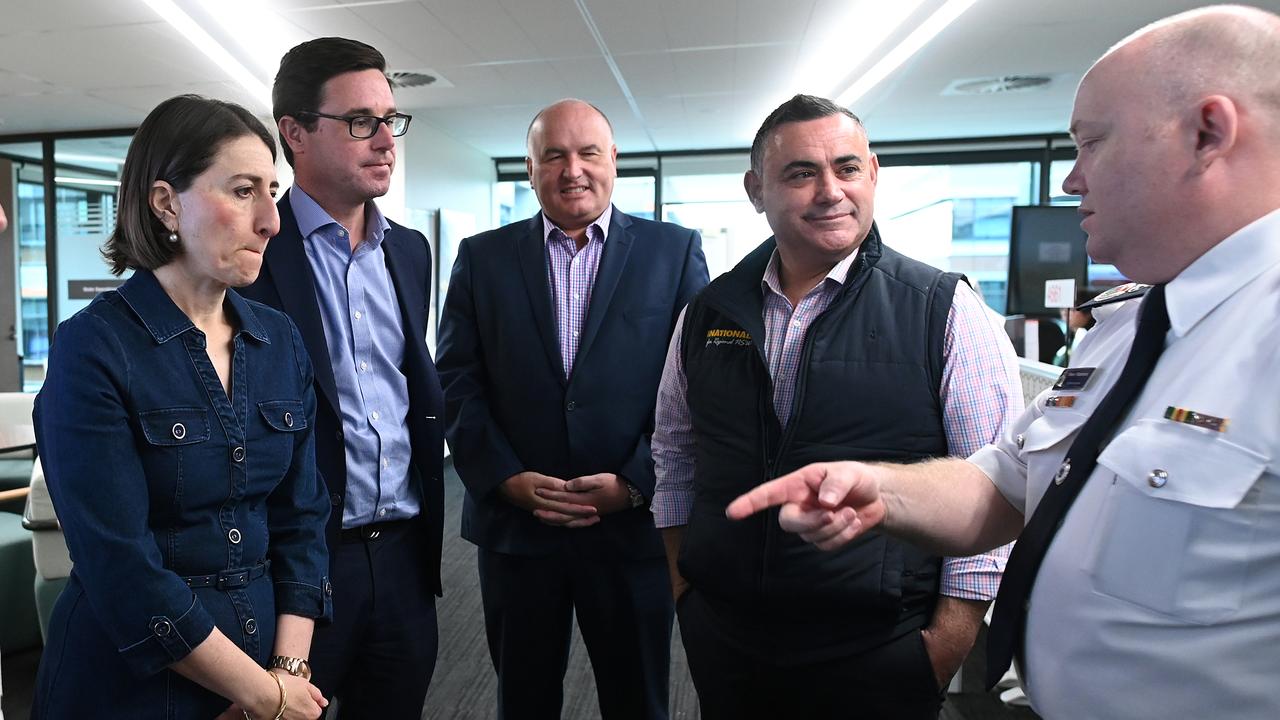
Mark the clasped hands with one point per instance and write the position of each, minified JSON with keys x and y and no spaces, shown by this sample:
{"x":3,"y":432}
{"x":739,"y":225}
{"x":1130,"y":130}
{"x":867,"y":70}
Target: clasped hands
{"x":305,"y":702}
{"x":575,"y":503}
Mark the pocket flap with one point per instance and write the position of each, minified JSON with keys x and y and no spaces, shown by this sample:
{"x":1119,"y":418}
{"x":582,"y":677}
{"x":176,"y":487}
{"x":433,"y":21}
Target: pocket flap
{"x":283,"y":415}
{"x":1181,"y":463}
{"x":175,"y":426}
{"x":1050,"y":429}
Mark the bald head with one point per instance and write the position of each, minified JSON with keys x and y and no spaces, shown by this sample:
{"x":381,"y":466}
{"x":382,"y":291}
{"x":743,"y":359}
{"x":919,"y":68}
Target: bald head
{"x":1230,"y":50}
{"x":557,"y":110}
{"x":1177,"y":130}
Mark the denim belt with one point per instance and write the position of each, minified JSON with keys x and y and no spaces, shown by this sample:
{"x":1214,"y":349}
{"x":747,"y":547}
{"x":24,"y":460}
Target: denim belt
{"x":372,"y":531}
{"x":229,"y":579}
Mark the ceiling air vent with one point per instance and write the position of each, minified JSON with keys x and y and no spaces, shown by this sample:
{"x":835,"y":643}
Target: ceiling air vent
{"x":405,"y":79}
{"x":998,"y":84}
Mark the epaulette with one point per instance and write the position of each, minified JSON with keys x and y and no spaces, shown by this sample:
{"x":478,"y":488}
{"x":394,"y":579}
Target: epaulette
{"x":1116,"y":294}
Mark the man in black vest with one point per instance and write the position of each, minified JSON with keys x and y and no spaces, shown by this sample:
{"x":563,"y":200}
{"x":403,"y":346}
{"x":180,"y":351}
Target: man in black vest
{"x":822,"y":343}
{"x":1142,"y":486}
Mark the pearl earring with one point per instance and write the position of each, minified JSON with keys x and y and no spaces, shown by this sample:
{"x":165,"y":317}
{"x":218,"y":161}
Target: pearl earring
{"x":173,"y":237}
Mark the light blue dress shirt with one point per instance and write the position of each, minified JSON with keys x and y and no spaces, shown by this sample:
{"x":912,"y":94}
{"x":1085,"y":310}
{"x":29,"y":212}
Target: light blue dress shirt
{"x":365,"y":337}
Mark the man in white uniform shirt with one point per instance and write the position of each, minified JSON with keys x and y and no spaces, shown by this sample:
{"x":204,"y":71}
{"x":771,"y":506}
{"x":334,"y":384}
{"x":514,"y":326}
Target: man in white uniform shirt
{"x":1155,"y":592}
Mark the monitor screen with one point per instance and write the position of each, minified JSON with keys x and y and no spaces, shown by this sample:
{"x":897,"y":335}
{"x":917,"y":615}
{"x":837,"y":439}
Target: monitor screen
{"x":1045,"y":243}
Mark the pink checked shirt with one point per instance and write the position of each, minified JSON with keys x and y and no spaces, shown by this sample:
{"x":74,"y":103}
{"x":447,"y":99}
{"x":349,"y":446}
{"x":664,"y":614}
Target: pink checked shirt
{"x":572,"y":273}
{"x":980,"y":392}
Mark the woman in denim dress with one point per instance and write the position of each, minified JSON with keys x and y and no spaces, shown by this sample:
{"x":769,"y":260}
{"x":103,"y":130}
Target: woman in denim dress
{"x":175,"y":431}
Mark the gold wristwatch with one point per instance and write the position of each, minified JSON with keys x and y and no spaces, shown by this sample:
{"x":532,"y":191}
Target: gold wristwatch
{"x":296,"y":667}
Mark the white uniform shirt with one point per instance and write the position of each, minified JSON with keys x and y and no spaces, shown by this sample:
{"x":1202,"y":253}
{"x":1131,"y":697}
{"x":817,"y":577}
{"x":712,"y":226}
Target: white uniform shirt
{"x":1160,"y":596}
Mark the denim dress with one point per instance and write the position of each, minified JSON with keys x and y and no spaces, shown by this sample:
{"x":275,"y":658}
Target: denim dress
{"x":183,"y":509}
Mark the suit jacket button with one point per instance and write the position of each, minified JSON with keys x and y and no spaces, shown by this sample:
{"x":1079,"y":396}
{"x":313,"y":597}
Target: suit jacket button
{"x":335,"y":499}
{"x":250,"y":626}
{"x":571,"y":406}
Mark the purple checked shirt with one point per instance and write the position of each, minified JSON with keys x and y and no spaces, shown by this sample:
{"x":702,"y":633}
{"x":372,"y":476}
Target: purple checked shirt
{"x":572,"y":273}
{"x":980,"y":393}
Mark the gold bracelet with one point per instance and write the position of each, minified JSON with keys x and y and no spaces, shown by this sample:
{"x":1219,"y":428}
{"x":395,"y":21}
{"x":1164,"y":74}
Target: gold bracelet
{"x":283,"y":696}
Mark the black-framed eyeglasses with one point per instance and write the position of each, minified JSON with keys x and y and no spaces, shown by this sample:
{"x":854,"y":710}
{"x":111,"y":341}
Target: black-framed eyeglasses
{"x":363,"y":127}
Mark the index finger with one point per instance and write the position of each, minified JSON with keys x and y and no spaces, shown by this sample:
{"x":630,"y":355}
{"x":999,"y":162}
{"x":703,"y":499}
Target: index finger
{"x":798,"y":487}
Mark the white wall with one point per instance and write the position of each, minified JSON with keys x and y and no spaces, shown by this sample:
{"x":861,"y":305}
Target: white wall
{"x":443,"y":173}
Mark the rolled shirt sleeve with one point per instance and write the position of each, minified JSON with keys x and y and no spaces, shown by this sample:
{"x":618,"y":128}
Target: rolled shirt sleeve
{"x":672,"y":442}
{"x":96,"y":479}
{"x":981,"y":394}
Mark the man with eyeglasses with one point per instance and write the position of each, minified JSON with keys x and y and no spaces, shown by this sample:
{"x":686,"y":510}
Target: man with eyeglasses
{"x":357,"y":286}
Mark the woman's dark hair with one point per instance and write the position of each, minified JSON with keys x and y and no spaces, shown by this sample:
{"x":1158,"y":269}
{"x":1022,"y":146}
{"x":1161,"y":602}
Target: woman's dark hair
{"x":176,"y":143}
{"x":306,"y":68}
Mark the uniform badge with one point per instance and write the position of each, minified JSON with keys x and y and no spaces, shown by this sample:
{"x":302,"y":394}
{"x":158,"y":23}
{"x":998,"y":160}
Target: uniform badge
{"x":1074,"y":378}
{"x":1116,"y":294}
{"x":1191,"y":417}
{"x":1060,"y":401}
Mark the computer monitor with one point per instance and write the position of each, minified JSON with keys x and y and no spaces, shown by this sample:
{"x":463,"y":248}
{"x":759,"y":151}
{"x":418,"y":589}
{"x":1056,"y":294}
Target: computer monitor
{"x":1045,"y":243}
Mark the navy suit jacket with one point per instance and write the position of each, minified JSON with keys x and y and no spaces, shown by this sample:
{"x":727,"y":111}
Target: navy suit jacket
{"x":509,"y":407}
{"x":287,"y":283}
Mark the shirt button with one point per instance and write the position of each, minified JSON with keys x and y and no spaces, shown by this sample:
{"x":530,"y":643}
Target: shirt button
{"x":1063,"y":471}
{"x":161,"y":628}
{"x":1021,"y":440}
{"x":250,"y":626}
{"x":179,"y":431}
{"x":386,"y":463}
{"x":328,"y":588}
{"x":357,"y":314}
{"x":238,"y":454}
{"x":1157,"y":478}
{"x":382,"y":512}
{"x":577,"y":296}
{"x":234,"y":536}
{"x":374,"y":414}
{"x":288,"y":419}
{"x":363,"y":366}
{"x":342,"y":233}
{"x":575,"y":333}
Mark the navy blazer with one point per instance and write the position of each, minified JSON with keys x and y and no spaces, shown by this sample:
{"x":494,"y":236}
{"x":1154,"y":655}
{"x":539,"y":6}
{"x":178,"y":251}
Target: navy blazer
{"x":287,"y":283}
{"x":509,"y":407}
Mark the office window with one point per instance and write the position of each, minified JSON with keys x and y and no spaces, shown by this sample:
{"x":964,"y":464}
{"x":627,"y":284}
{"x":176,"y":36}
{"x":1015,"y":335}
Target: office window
{"x":956,"y":217}
{"x":705,"y":194}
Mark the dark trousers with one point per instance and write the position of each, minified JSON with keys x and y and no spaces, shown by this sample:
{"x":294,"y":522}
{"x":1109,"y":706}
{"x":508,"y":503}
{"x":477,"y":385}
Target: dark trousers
{"x":624,"y":611}
{"x":380,"y":652}
{"x":892,"y":682}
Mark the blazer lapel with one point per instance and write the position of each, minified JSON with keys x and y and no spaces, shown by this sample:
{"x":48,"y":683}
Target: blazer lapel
{"x":409,"y":293}
{"x":290,"y":269}
{"x":531,"y":250}
{"x":616,"y":250}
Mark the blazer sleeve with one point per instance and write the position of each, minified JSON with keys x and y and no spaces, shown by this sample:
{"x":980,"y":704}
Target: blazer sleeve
{"x":482,"y":454}
{"x":638,"y":469}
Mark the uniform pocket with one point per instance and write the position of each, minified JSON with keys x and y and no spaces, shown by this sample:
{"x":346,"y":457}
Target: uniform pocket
{"x":1177,"y":530}
{"x":169,"y":427}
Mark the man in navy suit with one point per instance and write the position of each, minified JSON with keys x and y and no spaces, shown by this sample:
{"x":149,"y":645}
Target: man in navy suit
{"x":357,"y":286}
{"x":551,"y":347}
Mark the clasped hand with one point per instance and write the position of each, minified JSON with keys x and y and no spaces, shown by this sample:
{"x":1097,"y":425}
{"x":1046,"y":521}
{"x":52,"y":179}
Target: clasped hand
{"x":575,"y":503}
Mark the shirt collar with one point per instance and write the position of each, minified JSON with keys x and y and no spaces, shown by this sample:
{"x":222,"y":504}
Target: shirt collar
{"x":165,"y":320}
{"x":1219,"y":273}
{"x":838,"y":274}
{"x":601,"y":223}
{"x":312,"y":219}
